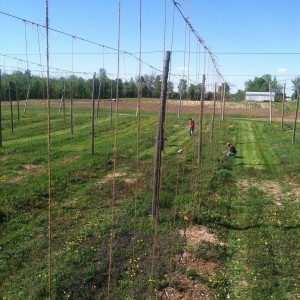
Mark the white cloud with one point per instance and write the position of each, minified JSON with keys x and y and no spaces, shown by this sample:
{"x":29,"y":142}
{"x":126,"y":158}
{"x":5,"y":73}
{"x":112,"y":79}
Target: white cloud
{"x":181,"y":68}
{"x":281,"y":70}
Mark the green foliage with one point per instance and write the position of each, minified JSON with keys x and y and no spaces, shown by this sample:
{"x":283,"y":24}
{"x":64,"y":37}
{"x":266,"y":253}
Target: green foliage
{"x":211,"y":251}
{"x":221,"y":286}
{"x":220,"y":178}
{"x":263,"y":84}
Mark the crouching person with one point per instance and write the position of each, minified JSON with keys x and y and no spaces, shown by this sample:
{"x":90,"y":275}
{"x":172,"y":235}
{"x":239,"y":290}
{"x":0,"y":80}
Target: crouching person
{"x":231,"y":150}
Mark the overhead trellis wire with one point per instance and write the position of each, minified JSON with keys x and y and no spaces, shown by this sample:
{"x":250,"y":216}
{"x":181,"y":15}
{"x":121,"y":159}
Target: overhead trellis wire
{"x":81,"y":39}
{"x":132,"y":54}
{"x":200,"y":39}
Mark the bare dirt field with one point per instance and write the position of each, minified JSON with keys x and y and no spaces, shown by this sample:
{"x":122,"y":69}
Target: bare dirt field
{"x":260,"y":110}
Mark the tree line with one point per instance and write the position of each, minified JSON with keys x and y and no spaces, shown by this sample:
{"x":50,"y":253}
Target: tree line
{"x":20,"y":84}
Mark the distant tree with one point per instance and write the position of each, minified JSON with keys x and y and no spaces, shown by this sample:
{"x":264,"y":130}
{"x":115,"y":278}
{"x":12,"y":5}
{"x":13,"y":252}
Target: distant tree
{"x":276,"y":86}
{"x":209,"y":96}
{"x":171,"y":93}
{"x":130,"y":89}
{"x":182,"y":88}
{"x":105,"y":84}
{"x":261,"y":84}
{"x":238,"y":96}
{"x":82,"y":88}
{"x":147,"y":82}
{"x":192,"y":90}
{"x":295,"y":82}
{"x":120,"y":88}
{"x":157,"y":87}
{"x":170,"y":87}
{"x":227,"y":89}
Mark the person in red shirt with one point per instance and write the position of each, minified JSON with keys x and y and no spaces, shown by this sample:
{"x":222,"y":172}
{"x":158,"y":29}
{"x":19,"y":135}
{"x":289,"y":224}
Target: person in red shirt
{"x":192,"y":126}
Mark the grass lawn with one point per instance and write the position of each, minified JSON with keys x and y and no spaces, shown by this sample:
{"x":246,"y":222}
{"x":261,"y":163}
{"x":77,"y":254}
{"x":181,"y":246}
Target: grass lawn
{"x":101,"y":231}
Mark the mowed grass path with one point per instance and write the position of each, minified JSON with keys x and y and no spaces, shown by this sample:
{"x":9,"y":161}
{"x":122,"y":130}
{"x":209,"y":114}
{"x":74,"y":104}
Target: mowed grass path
{"x":264,"y":219}
{"x":254,"y":150}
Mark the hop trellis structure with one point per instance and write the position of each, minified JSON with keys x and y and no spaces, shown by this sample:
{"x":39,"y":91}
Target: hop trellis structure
{"x":94,"y":169}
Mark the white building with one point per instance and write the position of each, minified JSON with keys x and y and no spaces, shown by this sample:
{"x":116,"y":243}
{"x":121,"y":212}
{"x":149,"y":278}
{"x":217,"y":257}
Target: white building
{"x":259,"y":96}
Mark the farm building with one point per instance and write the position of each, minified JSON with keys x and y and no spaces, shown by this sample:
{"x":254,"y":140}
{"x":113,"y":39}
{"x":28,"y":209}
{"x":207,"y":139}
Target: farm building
{"x":259,"y":96}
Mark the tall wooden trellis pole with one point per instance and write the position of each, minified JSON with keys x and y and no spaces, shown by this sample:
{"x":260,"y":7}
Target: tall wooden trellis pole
{"x":270,"y":95}
{"x":296,"y":114}
{"x":223,"y":102}
{"x":71,"y":108}
{"x":18,"y":103}
{"x":11,"y":107}
{"x":0,"y":109}
{"x":49,"y":162}
{"x":282,"y":114}
{"x":160,"y":139}
{"x":93,"y":118}
{"x":201,"y":114}
{"x":63,"y":101}
{"x":213,"y":115}
{"x":113,"y":198}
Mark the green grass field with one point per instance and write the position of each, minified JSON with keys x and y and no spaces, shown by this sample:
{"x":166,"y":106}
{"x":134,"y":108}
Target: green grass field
{"x":103,"y":243}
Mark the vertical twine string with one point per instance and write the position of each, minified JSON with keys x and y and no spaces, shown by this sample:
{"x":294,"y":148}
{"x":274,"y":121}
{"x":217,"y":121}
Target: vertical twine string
{"x":115,"y":157}
{"x":49,"y":161}
{"x":38,"y":33}
{"x":138,"y":129}
{"x":165,"y":26}
{"x":26,"y":44}
{"x":172,"y":41}
{"x":183,"y":77}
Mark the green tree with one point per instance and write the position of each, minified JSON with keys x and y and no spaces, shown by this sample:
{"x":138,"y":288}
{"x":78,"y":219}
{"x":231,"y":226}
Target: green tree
{"x":157,"y":87}
{"x":171,"y":93}
{"x":209,"y":96}
{"x":227,"y":89}
{"x":238,"y":96}
{"x":182,"y":88}
{"x":105,"y":83}
{"x":262,"y":84}
{"x":192,"y":91}
{"x":276,"y":86}
{"x":295,"y":82}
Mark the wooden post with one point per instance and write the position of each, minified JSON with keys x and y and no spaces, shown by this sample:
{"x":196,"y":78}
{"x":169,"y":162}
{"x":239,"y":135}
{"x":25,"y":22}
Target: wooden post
{"x":180,"y":104}
{"x":99,"y":97}
{"x":282,"y":114}
{"x":213,"y":115}
{"x":18,"y":103}
{"x":270,"y":103}
{"x":64,"y":100}
{"x":159,"y":137}
{"x":71,"y":107}
{"x":27,"y":96}
{"x":201,"y":114}
{"x":111,"y":104}
{"x":0,"y":109}
{"x":223,"y":101}
{"x":11,"y":107}
{"x":93,"y":117}
{"x":61,"y":101}
{"x":296,"y":115}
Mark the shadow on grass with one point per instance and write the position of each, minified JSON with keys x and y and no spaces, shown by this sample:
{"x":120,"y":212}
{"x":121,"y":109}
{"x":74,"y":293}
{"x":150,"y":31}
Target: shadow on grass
{"x":254,"y":226}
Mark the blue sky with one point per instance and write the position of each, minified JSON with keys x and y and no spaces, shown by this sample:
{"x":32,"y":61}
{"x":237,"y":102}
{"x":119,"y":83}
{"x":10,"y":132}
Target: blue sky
{"x":245,"y":36}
